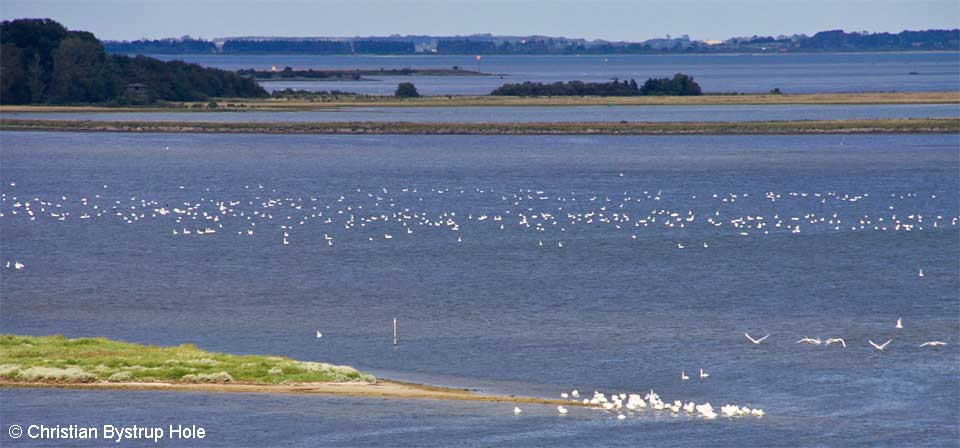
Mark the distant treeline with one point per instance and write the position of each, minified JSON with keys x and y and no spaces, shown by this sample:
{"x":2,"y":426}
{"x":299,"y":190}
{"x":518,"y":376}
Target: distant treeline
{"x":162,"y":46}
{"x":835,"y":40}
{"x":678,"y":85}
{"x":43,"y":62}
{"x":261,"y":46}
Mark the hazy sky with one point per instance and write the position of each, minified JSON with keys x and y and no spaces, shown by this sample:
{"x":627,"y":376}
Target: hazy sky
{"x":604,"y":19}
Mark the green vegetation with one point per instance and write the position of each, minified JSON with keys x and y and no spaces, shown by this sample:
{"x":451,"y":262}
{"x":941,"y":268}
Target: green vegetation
{"x":41,"y":62}
{"x":884,"y":126}
{"x":679,"y":85}
{"x":58,"y":359}
{"x":406,"y":90}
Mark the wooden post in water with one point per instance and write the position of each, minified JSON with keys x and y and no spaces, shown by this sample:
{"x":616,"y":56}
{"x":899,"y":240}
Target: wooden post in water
{"x":394,"y":331}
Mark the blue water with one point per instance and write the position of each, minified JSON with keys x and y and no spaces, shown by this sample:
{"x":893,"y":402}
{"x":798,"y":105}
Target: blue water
{"x":534,"y":114}
{"x":791,"y":73}
{"x":497,"y":311}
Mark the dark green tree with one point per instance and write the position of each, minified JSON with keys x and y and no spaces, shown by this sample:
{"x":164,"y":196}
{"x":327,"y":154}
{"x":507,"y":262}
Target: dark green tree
{"x":406,"y":90}
{"x":13,"y":76}
{"x":80,"y":73}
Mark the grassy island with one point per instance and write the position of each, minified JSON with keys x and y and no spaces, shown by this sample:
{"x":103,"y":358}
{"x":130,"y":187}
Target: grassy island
{"x":85,"y":360}
{"x":100,"y":363}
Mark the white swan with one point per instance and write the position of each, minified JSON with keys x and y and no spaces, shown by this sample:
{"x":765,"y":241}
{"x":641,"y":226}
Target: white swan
{"x":881,"y":346}
{"x":517,"y":410}
{"x":684,"y":376}
{"x":756,"y":341}
{"x":703,"y":374}
{"x":319,"y":334}
{"x":836,"y":340}
{"x":933,"y":344}
{"x":900,"y":323}
{"x":814,"y":341}
{"x":561,"y":410}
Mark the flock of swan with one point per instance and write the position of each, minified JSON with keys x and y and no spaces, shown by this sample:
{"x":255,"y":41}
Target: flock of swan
{"x":843,"y":343}
{"x":625,"y":404}
{"x":550,"y":219}
{"x":635,"y":403}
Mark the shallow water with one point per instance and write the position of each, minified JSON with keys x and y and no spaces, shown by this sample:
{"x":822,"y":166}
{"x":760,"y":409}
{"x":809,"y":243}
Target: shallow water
{"x":497,"y":311}
{"x":499,"y":114}
{"x":791,"y":73}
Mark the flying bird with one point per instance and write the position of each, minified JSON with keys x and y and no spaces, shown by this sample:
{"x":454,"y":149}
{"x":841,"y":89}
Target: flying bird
{"x":813,"y":341}
{"x":836,"y":340}
{"x":756,"y":341}
{"x":933,"y":344}
{"x":881,"y":346}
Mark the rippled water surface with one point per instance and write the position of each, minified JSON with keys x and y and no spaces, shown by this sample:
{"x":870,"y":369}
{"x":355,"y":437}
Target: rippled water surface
{"x":791,"y":73}
{"x":523,"y":265}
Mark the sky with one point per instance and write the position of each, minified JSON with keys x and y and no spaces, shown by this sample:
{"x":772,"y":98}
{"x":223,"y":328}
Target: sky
{"x":592,"y":19}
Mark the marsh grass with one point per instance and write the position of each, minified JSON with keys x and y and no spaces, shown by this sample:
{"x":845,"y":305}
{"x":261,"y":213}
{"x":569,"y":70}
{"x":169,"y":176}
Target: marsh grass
{"x":59,"y":359}
{"x":876,"y":126}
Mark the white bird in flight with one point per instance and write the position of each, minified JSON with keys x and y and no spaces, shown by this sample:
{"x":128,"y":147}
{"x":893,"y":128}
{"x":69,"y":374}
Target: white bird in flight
{"x":836,"y":340}
{"x":756,"y":341}
{"x":813,"y":341}
{"x":881,"y":346}
{"x":933,"y":344}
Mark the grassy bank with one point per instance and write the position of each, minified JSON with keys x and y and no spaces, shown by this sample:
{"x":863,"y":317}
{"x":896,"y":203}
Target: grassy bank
{"x":103,"y":364}
{"x":280,"y":104}
{"x":884,"y":126}
{"x":57,"y":359}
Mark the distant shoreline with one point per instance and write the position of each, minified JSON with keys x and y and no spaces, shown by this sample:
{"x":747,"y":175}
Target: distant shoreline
{"x":879,"y":126}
